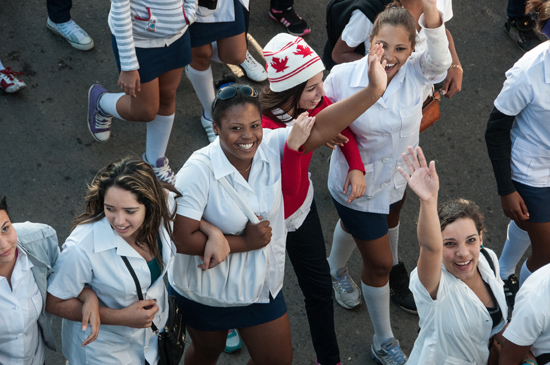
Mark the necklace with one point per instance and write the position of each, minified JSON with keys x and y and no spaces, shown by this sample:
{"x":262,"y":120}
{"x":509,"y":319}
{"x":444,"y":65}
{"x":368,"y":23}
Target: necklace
{"x":248,"y":168}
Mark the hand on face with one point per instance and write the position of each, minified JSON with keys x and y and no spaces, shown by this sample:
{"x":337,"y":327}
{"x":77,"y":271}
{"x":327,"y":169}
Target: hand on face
{"x":377,"y":73}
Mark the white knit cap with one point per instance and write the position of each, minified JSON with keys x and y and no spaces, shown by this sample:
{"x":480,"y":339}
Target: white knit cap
{"x":290,"y":62}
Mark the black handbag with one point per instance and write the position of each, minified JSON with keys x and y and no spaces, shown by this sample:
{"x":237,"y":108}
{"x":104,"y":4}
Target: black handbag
{"x":209,"y":4}
{"x":171,"y":342}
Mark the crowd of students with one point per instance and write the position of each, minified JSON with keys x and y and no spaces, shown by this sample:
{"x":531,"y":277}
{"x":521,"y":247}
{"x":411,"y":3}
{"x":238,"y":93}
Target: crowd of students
{"x":220,"y":227}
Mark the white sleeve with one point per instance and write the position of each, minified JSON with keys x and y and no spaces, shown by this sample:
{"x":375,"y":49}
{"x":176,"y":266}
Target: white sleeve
{"x":528,"y":321}
{"x":436,"y":59}
{"x":275,"y":139}
{"x":423,"y":300}
{"x":73,"y":270}
{"x":516,"y":93}
{"x":190,"y":8}
{"x":193,"y":183}
{"x":122,"y":28}
{"x":358,"y":29}
{"x":446,"y":7}
{"x":330,"y":86}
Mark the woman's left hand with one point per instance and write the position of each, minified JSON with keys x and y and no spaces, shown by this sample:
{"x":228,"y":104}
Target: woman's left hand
{"x":355,"y":179}
{"x":90,"y":315}
{"x":216,"y":251}
{"x":300,"y":131}
{"x":452,"y":83}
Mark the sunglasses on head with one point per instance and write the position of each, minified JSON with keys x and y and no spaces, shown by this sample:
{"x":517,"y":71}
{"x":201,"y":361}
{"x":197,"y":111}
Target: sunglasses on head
{"x":231,"y":91}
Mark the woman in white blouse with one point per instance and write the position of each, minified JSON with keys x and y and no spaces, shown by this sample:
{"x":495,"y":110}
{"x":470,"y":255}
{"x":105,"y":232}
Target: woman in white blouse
{"x":456,"y":285}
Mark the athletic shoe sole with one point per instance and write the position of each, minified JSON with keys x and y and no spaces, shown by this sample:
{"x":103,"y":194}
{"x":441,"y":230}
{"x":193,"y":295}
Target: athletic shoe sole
{"x":80,"y":47}
{"x":344,"y":305}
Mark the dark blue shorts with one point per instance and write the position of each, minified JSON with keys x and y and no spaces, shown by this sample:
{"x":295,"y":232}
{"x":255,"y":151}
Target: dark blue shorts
{"x":206,"y":33}
{"x":537,"y":201}
{"x":153,"y":62}
{"x":206,"y":318}
{"x":363,"y":225}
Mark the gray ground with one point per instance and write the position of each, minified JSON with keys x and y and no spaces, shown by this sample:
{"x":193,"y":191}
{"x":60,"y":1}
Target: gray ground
{"x":47,"y":155}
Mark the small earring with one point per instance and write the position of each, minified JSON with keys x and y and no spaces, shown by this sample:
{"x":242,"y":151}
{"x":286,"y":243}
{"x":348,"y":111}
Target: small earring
{"x":410,"y":57}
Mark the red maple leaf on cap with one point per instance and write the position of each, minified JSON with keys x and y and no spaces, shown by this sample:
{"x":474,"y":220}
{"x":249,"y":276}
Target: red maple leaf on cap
{"x":279,"y":65}
{"x":303,"y":50}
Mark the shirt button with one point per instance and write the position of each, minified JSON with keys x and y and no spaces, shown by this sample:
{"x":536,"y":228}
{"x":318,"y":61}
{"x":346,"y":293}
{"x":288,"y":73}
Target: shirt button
{"x":146,"y":348}
{"x":19,"y":336}
{"x":17,"y":307}
{"x":145,"y":267}
{"x":19,"y":361}
{"x":383,"y":185}
{"x":385,"y":135}
{"x":385,"y":160}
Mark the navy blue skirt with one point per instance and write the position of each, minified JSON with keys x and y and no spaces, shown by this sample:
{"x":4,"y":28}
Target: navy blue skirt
{"x":208,"y":319}
{"x":206,"y":33}
{"x":153,"y":62}
{"x":537,"y":201}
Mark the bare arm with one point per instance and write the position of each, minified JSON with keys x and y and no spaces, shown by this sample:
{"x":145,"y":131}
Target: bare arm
{"x":336,"y":117}
{"x":342,"y":53}
{"x":453,"y":81}
{"x":423,"y":180}
{"x":512,"y":354}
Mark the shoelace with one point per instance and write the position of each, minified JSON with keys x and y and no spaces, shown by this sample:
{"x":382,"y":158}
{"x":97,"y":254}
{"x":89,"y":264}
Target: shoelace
{"x":345,"y":282}
{"x":291,"y":16}
{"x":395,"y":353}
{"x":71,"y":27}
{"x":102,"y":122}
{"x":164,"y":173}
{"x":10,"y":74}
{"x":250,"y":61}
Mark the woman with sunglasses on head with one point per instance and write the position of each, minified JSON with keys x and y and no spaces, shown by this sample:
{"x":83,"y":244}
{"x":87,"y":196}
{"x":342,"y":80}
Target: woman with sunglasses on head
{"x":382,"y":134}
{"x":244,"y":291}
{"x":456,"y":285}
{"x":28,"y":251}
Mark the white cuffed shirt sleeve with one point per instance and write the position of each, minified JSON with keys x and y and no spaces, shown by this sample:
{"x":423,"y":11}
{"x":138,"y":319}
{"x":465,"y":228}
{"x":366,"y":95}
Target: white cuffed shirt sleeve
{"x":437,"y":59}
{"x":73,"y":270}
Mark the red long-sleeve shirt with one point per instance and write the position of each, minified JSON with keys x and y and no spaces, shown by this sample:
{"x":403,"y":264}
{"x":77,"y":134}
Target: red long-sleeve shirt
{"x":295,"y":165}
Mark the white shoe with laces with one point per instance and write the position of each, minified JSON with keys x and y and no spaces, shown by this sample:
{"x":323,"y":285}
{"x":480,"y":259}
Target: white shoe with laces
{"x":75,"y":35}
{"x":346,"y":292}
{"x":390,"y":353}
{"x":9,"y":82}
{"x":162,"y":170}
{"x":253,"y":69}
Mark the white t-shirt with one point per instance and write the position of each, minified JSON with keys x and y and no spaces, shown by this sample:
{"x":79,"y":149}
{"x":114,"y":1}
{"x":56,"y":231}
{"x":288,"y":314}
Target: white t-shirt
{"x":455,"y":327}
{"x":20,"y":337}
{"x":530,"y":323}
{"x":526,"y":95}
{"x":92,"y":256}
{"x":359,"y":28}
{"x":224,"y":12}
{"x":245,"y":277}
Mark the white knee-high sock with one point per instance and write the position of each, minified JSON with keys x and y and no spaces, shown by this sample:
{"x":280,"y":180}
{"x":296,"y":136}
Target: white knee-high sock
{"x":107,"y":104}
{"x":393,"y":235}
{"x":517,"y":242}
{"x":524,"y":273}
{"x":215,"y":56}
{"x":203,"y":83}
{"x":158,"y":134}
{"x":378,"y":304}
{"x":342,"y":248}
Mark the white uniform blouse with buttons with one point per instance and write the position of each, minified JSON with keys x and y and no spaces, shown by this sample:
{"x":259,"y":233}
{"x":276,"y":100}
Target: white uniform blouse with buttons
{"x":455,"y":327}
{"x":530,"y":323}
{"x":246,"y":277}
{"x":387,"y":128}
{"x":526,"y":95}
{"x":20,"y":339}
{"x":92,"y":256}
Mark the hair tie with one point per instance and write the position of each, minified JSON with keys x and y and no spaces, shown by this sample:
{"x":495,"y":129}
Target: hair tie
{"x":546,"y":29}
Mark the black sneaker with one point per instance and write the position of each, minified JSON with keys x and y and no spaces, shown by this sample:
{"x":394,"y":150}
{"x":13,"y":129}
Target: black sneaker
{"x":399,"y":289}
{"x":294,"y":24}
{"x":511,"y":287}
{"x":522,"y":31}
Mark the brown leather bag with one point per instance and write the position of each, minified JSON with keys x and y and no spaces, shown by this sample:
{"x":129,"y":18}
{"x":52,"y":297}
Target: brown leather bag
{"x":430,"y":111}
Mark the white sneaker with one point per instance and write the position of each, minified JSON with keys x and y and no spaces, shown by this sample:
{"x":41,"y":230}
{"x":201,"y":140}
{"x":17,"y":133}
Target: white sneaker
{"x":207,"y":125}
{"x":346,"y":292}
{"x":390,"y":353}
{"x":75,"y":35}
{"x":253,"y":69}
{"x":9,"y":81}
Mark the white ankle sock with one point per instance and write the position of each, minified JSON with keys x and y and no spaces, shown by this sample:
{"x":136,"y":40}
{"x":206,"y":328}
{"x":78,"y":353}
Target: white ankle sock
{"x":378,"y":304}
{"x":342,"y":248}
{"x":107,"y":104}
{"x":524,"y":273}
{"x":215,"y":56}
{"x":517,"y":242}
{"x":158,"y":134}
{"x":203,"y":83}
{"x":393,"y":235}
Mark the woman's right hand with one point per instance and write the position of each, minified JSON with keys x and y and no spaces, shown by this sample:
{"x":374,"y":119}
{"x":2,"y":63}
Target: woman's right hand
{"x":377,"y":69}
{"x":355,"y":179}
{"x":514,"y":207}
{"x":216,"y":251}
{"x":300,"y":131}
{"x":140,"y":314}
{"x":129,"y":82}
{"x":423,"y":180}
{"x":257,"y":235}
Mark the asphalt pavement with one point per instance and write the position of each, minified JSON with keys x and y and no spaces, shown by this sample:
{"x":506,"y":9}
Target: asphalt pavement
{"x":47,"y":155}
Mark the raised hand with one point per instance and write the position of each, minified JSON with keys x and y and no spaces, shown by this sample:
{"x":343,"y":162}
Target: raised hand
{"x":431,"y":14}
{"x":423,"y":180}
{"x":377,"y":68}
{"x":300,"y":131}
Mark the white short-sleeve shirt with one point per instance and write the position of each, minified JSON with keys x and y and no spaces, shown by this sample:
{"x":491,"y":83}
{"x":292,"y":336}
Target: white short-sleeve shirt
{"x":530,"y":323}
{"x":92,"y":256}
{"x":21,"y":340}
{"x":224,"y":12}
{"x":359,"y":28}
{"x":455,"y":327}
{"x":526,"y":95}
{"x":260,"y":272}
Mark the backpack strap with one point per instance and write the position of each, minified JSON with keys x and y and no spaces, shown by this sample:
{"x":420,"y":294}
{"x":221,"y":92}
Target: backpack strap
{"x":489,"y":259}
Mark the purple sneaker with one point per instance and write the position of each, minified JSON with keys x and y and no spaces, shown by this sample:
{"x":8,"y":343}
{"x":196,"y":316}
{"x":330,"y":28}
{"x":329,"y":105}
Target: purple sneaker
{"x":99,"y":124}
{"x":162,"y":170}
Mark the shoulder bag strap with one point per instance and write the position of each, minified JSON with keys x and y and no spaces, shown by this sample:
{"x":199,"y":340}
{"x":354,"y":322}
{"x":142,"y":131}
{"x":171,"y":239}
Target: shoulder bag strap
{"x":138,"y":287}
{"x":230,"y":190}
{"x":489,"y":259}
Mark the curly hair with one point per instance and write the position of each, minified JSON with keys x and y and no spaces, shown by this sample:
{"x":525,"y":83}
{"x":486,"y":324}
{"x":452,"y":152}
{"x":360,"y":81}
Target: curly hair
{"x":460,"y":208}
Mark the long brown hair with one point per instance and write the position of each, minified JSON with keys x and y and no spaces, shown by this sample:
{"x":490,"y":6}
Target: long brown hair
{"x":137,"y":177}
{"x":285,"y":100}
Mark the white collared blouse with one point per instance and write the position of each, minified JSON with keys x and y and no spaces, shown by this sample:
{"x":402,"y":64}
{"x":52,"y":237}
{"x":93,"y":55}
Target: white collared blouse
{"x":21,"y":340}
{"x":387,"y":128}
{"x":91,"y":256}
{"x":526,"y":95}
{"x":246,"y":277}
